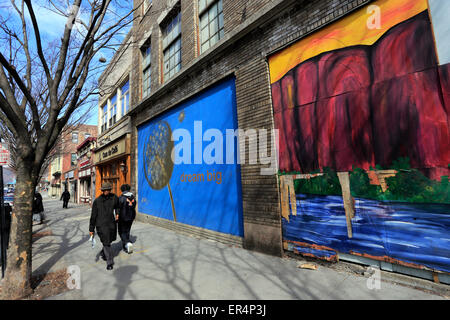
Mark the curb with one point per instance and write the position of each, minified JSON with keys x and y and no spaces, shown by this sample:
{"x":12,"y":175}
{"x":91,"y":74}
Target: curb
{"x":399,"y":279}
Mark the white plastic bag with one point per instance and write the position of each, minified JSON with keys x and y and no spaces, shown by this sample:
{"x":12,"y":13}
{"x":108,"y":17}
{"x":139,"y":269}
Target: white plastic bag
{"x":92,"y":241}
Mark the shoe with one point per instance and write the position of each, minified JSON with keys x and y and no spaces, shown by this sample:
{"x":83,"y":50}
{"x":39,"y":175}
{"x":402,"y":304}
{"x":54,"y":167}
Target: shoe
{"x":129,"y":248}
{"x":109,"y":267}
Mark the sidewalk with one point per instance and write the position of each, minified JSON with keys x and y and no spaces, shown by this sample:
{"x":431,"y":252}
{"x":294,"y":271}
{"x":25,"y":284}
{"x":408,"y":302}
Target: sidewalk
{"x":169,"y":266}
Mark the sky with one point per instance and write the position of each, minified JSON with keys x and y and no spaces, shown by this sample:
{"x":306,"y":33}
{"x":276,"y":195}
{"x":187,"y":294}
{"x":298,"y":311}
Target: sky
{"x":51,"y":26}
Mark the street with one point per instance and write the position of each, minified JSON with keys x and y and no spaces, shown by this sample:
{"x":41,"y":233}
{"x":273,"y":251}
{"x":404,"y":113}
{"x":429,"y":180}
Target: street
{"x":169,"y":266}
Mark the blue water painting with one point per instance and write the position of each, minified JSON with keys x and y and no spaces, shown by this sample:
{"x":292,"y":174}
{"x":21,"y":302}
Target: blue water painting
{"x":409,"y":232}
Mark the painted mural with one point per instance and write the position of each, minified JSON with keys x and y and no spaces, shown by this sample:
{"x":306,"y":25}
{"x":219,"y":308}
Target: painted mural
{"x":188,"y":188}
{"x":362,"y":107}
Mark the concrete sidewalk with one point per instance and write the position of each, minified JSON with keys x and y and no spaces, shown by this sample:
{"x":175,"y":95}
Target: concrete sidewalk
{"x":167,"y":266}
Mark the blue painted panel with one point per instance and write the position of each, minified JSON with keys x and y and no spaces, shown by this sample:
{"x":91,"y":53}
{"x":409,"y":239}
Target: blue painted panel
{"x":206,"y":204}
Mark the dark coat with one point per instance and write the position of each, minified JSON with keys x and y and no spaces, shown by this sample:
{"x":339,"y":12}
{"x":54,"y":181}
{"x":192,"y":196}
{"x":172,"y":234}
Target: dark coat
{"x":38,"y":206}
{"x":127,"y":201}
{"x":103,"y":217}
{"x":65,"y":196}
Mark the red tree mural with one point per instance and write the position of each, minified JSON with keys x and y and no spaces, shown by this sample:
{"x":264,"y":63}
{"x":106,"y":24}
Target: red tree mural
{"x":367,"y":105}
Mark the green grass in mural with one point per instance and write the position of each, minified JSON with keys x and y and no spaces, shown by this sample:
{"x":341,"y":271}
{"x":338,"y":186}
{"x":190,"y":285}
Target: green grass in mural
{"x":409,"y":185}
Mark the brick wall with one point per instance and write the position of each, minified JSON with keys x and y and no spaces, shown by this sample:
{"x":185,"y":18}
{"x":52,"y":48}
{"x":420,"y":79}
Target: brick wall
{"x":189,"y":31}
{"x":253,"y":29}
{"x":68,"y":147}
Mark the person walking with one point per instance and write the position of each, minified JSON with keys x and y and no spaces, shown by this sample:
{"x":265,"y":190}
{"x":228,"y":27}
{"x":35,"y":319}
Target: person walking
{"x":38,"y":207}
{"x":127,"y":214}
{"x":65,"y":197}
{"x":104,"y":220}
{"x":8,"y":211}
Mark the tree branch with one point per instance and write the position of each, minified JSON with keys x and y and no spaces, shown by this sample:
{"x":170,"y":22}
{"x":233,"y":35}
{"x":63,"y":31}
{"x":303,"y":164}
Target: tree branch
{"x":39,"y":42}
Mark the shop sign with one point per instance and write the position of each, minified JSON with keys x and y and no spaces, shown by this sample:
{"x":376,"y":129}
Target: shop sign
{"x":110,"y":152}
{"x":69,"y":175}
{"x":85,"y":163}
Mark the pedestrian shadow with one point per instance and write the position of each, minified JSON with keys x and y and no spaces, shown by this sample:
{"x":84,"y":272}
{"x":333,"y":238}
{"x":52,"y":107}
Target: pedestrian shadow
{"x":97,"y":257}
{"x":116,"y":248}
{"x":123,"y":277}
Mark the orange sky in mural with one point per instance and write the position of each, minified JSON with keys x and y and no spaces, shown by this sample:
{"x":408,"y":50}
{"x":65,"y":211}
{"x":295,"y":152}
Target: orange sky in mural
{"x":349,"y":31}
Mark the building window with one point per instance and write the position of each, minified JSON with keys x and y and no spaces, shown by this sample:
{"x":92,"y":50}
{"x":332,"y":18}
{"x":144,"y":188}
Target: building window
{"x":211,"y":23}
{"x":146,"y":69}
{"x":113,"y":112}
{"x":74,"y":137}
{"x":87,"y":135}
{"x":172,"y":46}
{"x":73,"y":159}
{"x":104,"y":118}
{"x":125,"y":98}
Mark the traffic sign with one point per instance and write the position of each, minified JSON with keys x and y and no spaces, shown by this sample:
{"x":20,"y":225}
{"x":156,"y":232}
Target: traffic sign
{"x":4,"y":156}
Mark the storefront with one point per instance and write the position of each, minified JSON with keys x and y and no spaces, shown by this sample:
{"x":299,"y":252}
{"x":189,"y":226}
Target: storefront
{"x":112,"y":163}
{"x":70,"y":184}
{"x":86,"y":170}
{"x":85,"y":182}
{"x":55,"y":186}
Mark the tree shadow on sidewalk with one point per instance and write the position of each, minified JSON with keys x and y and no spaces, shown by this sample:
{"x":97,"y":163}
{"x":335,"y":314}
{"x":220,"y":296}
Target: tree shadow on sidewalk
{"x":64,"y":246}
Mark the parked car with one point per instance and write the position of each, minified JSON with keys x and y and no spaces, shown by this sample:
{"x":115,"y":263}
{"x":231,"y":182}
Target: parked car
{"x":8,"y":198}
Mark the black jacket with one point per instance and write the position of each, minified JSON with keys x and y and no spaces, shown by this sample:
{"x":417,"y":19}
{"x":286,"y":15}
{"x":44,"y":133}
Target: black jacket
{"x":38,"y":206}
{"x":103,"y":217}
{"x":65,"y":196}
{"x":127,"y":207}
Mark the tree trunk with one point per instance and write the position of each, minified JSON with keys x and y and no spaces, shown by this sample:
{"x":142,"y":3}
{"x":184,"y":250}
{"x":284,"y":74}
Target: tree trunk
{"x":17,"y":282}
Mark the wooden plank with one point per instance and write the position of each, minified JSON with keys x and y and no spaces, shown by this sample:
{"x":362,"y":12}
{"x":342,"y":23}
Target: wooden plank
{"x":292,"y":196}
{"x":382,"y":175}
{"x":308,"y":175}
{"x":284,"y":198}
{"x":344,"y":180}
{"x":436,"y":277}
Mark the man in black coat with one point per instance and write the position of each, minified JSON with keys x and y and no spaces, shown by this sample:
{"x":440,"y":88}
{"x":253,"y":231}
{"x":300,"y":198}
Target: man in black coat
{"x":65,"y":197}
{"x":38,"y":206}
{"x":104,"y":220}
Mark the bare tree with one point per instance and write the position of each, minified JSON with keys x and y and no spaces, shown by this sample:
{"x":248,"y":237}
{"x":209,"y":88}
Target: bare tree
{"x":43,"y":85}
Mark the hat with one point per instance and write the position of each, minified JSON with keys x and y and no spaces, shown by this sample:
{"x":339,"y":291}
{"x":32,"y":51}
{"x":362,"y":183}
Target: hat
{"x":106,"y":186}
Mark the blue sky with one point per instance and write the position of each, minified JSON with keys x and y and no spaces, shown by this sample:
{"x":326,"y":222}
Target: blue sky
{"x":52,"y":25}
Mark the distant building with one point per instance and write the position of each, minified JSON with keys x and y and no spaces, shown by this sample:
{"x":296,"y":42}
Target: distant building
{"x":54,"y":177}
{"x":86,"y":170}
{"x":112,"y":155}
{"x":63,"y":169}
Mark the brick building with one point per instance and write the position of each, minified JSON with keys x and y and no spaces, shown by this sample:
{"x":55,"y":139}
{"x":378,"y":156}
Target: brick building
{"x":201,"y":68}
{"x":86,"y":170}
{"x":112,"y":155}
{"x":70,"y":140}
